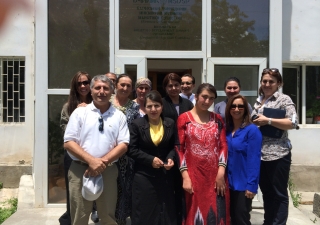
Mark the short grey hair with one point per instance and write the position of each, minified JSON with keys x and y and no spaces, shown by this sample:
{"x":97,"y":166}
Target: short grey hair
{"x":102,"y":78}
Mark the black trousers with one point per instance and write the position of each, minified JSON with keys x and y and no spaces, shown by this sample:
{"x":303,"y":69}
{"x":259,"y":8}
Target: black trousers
{"x":274,"y":177}
{"x":65,"y":219}
{"x":240,"y":207}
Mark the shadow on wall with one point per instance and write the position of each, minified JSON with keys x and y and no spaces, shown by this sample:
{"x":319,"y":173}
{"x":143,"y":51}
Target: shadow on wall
{"x":286,"y":29}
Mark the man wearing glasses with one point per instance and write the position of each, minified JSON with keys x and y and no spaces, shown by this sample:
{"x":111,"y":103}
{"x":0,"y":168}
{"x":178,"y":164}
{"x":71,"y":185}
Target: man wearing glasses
{"x":187,"y":86}
{"x":95,"y":137}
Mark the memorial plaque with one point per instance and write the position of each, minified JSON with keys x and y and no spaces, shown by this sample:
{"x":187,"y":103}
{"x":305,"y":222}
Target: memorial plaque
{"x":160,"y":25}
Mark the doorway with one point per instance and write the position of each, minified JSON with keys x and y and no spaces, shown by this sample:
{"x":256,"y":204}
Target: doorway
{"x":157,"y":77}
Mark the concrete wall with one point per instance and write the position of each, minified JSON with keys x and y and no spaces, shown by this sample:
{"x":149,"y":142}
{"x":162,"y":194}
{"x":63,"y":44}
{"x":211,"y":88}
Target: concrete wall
{"x":301,"y":32}
{"x":300,"y":39}
{"x":17,"y":39}
{"x":305,"y":168}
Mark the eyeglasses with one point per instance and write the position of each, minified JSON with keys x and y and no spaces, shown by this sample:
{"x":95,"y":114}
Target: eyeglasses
{"x":271,"y":82}
{"x":187,"y":83}
{"x":84,"y":83}
{"x":101,"y":124}
{"x":240,"y":106}
{"x":275,"y":70}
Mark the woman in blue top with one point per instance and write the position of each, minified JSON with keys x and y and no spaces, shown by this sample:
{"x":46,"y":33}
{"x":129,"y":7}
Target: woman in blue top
{"x":244,"y":151}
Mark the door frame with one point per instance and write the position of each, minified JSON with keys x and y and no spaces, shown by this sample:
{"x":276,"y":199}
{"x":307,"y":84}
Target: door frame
{"x":257,"y":202}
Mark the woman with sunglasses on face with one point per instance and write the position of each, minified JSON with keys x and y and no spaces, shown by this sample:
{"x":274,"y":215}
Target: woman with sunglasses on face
{"x":143,"y":87}
{"x":244,"y":152}
{"x":203,"y":157}
{"x":275,"y":152}
{"x":122,"y":102}
{"x":152,"y":140}
{"x":173,"y":106}
{"x":79,"y":96}
{"x":232,"y":87}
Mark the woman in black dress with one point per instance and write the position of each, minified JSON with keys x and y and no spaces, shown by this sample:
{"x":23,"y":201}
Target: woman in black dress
{"x":152,"y":141}
{"x":173,"y":106}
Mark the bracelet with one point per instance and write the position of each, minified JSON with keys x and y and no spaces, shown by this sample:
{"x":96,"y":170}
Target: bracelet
{"x":269,"y":121}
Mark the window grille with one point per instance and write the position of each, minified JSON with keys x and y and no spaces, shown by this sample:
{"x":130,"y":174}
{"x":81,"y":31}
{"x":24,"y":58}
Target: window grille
{"x":12,"y":89}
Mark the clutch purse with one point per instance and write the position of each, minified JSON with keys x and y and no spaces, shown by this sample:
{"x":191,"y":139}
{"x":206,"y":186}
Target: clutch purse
{"x":271,"y":131}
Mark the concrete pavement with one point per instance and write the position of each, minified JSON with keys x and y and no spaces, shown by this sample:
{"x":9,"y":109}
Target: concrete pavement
{"x":28,"y":215}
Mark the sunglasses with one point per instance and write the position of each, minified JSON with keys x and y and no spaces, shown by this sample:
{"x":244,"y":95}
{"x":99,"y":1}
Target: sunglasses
{"x":101,"y":124}
{"x":232,"y":88}
{"x":84,"y":83}
{"x":240,"y":106}
{"x":187,"y":83}
{"x":275,"y":70}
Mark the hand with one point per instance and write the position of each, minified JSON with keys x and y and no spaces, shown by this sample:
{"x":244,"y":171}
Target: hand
{"x":261,"y":120}
{"x":249,"y":194}
{"x":220,"y":185}
{"x":169,"y":165}
{"x":83,"y":104}
{"x":187,"y":185}
{"x":96,"y":166}
{"x":157,"y":163}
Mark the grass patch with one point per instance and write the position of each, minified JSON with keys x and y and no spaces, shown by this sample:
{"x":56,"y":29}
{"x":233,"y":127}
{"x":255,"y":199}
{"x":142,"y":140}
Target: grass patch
{"x":296,"y":196}
{"x":1,"y":185}
{"x":11,"y":208}
{"x":315,"y":220}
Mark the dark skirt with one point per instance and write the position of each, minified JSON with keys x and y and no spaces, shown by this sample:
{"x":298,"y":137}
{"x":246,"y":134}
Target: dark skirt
{"x":153,"y":200}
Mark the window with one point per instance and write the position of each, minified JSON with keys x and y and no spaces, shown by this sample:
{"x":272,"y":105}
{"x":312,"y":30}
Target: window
{"x":78,"y":39}
{"x":239,"y":28}
{"x":302,"y":83}
{"x":12,"y":89}
{"x":313,"y":94}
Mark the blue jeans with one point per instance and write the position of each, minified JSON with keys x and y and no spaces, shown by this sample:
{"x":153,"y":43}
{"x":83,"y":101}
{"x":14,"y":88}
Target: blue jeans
{"x":274,"y":176}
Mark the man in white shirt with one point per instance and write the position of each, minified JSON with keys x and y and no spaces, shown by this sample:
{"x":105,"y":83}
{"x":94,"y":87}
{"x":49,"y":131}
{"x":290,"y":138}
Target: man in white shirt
{"x":187,"y":86}
{"x":95,"y":137}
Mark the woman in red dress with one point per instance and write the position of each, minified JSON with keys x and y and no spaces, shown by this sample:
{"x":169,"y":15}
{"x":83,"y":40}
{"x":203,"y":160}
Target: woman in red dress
{"x":203,"y":156}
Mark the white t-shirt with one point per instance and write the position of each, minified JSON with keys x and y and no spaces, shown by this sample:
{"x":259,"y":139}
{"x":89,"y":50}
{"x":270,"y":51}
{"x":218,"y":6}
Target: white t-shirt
{"x":191,"y":98}
{"x":83,"y":128}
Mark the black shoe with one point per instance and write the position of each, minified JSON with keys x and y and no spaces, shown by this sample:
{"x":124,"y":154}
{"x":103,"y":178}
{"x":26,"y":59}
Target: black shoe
{"x":95,"y":217}
{"x":65,"y":219}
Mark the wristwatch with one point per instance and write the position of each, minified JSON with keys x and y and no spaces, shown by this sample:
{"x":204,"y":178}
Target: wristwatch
{"x":269,"y":121}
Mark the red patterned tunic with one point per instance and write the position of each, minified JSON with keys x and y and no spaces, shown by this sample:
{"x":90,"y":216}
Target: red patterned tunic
{"x":203,"y":147}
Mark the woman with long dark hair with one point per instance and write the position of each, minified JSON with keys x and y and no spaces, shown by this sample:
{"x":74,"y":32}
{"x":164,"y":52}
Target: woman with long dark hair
{"x":244,"y":151}
{"x":79,"y":96}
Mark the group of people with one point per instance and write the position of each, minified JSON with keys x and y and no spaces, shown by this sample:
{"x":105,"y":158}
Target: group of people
{"x":169,"y":160}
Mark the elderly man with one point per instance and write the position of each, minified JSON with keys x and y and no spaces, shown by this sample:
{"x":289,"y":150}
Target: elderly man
{"x":187,"y":86}
{"x":96,"y":136}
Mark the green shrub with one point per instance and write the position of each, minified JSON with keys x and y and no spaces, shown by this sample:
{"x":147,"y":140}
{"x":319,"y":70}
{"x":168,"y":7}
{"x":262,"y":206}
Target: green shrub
{"x":296,"y":196}
{"x":6,"y":212}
